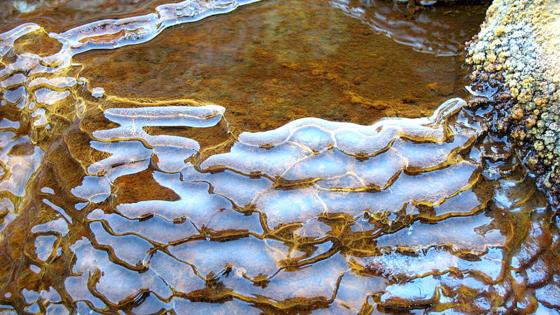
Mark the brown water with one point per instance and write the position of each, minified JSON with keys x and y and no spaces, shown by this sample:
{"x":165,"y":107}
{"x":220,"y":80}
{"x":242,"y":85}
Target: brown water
{"x":145,"y":197}
{"x":285,"y":60}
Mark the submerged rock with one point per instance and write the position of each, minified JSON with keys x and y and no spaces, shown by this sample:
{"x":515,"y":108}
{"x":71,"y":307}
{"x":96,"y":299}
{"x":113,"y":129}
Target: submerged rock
{"x":516,"y":56}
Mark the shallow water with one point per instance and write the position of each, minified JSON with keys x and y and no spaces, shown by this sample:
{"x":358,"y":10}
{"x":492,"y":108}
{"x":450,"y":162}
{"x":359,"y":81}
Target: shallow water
{"x":284,"y":60}
{"x":124,"y":187}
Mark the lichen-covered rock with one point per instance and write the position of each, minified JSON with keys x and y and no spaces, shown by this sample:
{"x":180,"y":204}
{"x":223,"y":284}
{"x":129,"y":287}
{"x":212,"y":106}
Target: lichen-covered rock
{"x":516,"y":56}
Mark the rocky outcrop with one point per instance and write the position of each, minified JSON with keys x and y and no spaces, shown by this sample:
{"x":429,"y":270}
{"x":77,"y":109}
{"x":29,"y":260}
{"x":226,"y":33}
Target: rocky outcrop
{"x":515,"y":59}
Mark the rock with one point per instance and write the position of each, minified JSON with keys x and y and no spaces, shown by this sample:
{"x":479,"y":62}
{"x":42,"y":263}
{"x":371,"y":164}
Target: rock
{"x":518,"y":52}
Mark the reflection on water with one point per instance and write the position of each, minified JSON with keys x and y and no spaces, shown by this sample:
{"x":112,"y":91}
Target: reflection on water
{"x":436,"y":30}
{"x":147,"y":206}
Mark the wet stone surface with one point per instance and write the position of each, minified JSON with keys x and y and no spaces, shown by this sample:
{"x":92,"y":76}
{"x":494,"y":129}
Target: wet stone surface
{"x":119,"y":196}
{"x":516,"y":53}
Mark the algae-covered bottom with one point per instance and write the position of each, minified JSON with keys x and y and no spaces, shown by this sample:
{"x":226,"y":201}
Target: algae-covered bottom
{"x":125,"y":188}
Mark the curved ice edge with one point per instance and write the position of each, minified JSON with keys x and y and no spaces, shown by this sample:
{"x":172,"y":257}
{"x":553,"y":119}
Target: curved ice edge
{"x":136,"y":30}
{"x":158,"y":22}
{"x":282,"y":134}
